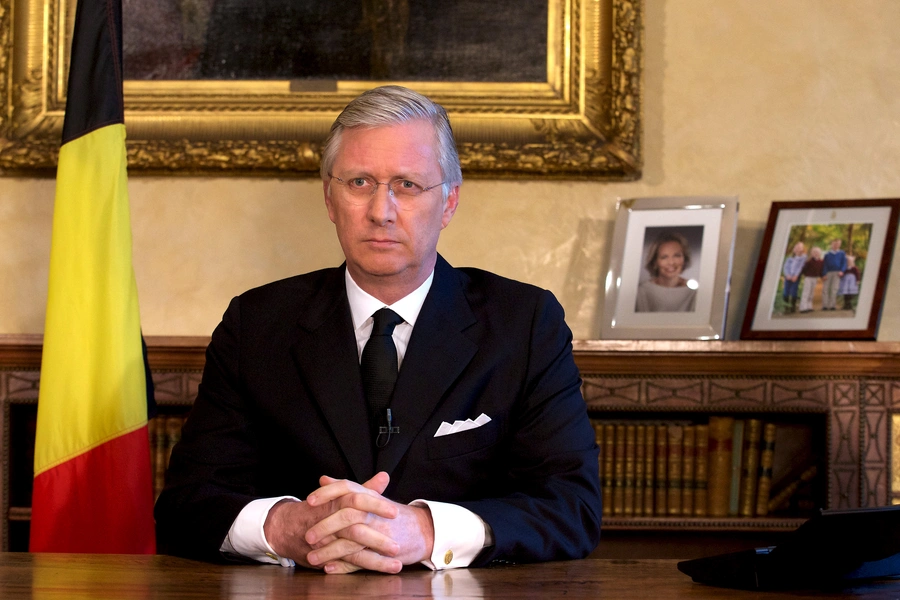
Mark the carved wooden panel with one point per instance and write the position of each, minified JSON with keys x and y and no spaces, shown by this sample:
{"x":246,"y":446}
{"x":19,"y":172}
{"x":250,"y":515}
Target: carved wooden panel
{"x":611,"y":391}
{"x":21,"y":386}
{"x":894,"y":395}
{"x":800,"y":394}
{"x":172,"y":388}
{"x":741,"y":393}
{"x":674,"y":393}
{"x":876,"y":447}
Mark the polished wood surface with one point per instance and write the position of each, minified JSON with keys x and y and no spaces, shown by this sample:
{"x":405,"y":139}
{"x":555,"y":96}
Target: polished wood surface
{"x":76,"y":576}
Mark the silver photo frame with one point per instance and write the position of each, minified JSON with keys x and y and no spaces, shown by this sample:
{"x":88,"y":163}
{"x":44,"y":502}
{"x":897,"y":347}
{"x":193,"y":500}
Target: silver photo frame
{"x":647,"y":295}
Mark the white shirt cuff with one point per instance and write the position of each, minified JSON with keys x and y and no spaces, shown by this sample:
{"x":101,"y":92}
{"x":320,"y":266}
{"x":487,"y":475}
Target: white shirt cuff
{"x":247,"y":537}
{"x":458,"y":535}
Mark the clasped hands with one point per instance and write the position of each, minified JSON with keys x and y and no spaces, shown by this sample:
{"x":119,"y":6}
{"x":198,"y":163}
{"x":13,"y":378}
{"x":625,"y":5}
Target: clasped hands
{"x":345,"y":526}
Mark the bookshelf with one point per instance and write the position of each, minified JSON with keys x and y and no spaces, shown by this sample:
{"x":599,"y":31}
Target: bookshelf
{"x":846,"y":393}
{"x":176,"y":364}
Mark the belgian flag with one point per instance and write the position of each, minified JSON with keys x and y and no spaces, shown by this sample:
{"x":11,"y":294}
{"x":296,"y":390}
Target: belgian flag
{"x":92,"y":480}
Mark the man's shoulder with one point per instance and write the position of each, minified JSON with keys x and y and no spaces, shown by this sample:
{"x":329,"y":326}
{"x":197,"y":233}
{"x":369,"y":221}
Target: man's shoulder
{"x":296,"y":288}
{"x":488,"y":293}
{"x":474,"y":279}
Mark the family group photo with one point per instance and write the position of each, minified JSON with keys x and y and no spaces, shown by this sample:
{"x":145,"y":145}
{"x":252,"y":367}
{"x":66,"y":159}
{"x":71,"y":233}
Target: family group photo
{"x":822,"y":270}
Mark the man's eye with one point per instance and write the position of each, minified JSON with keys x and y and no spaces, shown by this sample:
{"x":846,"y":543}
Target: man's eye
{"x":409,"y":187}
{"x":358,"y":182}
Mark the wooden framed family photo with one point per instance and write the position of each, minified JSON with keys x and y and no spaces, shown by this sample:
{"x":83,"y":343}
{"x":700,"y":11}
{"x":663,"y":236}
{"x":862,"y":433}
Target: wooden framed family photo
{"x":534,"y":88}
{"x":822,"y":270}
{"x":670,"y":268}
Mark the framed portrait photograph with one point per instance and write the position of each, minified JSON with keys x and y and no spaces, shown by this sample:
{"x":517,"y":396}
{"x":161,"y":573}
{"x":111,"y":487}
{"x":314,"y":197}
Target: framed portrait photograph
{"x":822,"y":270}
{"x":670,"y":267}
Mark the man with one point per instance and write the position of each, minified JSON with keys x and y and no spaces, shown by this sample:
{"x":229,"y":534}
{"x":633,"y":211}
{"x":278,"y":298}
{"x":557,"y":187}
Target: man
{"x":486,"y":452}
{"x":833,"y":266}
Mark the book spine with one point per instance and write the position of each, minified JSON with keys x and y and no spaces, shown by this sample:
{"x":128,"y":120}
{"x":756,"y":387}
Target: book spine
{"x":639,"y":466}
{"x":766,"y":460}
{"x":676,"y":439}
{"x":783,"y":497}
{"x":628,"y":502}
{"x":687,"y":470}
{"x":619,"y":489}
{"x":737,"y":453}
{"x":701,"y":473}
{"x":662,"y":457}
{"x":598,"y":439}
{"x":649,"y":463}
{"x":609,"y":457}
{"x":721,"y":432}
{"x":749,"y":467}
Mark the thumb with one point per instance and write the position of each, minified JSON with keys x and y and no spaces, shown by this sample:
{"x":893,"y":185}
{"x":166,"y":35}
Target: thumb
{"x":378,"y":483}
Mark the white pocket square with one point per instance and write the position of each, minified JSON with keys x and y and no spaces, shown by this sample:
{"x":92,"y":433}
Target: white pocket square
{"x":447,"y":429}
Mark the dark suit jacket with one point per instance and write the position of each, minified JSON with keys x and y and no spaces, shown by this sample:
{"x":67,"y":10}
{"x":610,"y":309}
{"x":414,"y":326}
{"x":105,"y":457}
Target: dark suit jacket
{"x":281,"y":403}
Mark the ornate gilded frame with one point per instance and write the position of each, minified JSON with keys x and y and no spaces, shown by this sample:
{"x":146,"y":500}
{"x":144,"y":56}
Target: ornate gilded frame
{"x":583,"y":122}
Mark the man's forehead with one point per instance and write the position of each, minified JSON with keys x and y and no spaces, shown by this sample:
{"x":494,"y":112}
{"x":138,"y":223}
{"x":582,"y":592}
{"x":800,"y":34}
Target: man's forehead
{"x":413,"y":142}
{"x":420,"y":128}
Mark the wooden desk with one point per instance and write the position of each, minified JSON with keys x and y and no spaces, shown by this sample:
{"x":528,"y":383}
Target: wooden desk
{"x":78,"y":576}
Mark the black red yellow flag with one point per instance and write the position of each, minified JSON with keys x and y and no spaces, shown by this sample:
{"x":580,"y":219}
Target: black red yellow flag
{"x":92,"y":480}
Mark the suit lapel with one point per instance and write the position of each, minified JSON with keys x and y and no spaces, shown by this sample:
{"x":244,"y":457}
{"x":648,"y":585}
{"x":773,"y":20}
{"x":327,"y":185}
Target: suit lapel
{"x":437,"y":353}
{"x":326,"y":356}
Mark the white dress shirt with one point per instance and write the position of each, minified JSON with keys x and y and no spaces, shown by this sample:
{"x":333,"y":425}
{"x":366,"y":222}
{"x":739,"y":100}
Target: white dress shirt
{"x":459,"y":534}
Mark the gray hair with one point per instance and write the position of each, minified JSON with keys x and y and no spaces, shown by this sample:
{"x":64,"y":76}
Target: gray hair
{"x":393,"y":105}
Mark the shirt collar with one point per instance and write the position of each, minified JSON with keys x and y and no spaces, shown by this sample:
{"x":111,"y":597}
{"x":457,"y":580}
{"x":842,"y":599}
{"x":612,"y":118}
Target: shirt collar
{"x":363,"y":305}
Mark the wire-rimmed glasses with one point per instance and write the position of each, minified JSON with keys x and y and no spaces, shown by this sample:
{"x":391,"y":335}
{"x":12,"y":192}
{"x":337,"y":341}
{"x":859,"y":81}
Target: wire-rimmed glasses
{"x":360,"y":190}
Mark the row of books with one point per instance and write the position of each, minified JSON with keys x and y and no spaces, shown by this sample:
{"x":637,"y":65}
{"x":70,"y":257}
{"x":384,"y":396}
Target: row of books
{"x":720,"y":468}
{"x":164,"y":432}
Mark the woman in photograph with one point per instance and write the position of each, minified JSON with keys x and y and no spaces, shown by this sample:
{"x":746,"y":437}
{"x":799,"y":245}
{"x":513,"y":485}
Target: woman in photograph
{"x":849,"y":288}
{"x":667,"y":290}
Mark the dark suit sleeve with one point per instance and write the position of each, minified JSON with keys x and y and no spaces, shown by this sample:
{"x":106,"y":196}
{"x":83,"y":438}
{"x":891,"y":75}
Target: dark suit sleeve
{"x":551,"y":509}
{"x":208,"y":485}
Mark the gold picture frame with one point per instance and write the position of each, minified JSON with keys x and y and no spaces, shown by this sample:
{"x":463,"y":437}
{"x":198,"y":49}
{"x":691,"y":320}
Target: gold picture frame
{"x":583,"y":122}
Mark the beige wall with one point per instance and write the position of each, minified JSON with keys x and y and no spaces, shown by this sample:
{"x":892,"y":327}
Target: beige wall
{"x":766,"y":99}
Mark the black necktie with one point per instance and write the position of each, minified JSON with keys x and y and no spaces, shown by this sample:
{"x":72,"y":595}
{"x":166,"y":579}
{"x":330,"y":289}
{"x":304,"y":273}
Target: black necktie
{"x":379,"y":366}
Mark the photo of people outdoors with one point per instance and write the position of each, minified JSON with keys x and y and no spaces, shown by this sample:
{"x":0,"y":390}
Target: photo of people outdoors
{"x":671,"y":267}
{"x":822,"y":270}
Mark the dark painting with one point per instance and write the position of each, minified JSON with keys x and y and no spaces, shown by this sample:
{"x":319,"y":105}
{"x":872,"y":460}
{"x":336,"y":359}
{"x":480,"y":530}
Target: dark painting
{"x":413,"y":40}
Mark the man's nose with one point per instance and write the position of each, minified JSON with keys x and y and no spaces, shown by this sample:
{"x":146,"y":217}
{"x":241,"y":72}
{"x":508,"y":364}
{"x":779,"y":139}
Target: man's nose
{"x":382,"y":206}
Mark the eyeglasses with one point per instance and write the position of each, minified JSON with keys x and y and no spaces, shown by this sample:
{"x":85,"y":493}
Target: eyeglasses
{"x":362,"y":189}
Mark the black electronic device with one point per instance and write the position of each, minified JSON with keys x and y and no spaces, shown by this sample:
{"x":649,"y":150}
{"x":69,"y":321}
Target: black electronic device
{"x":832,"y":549}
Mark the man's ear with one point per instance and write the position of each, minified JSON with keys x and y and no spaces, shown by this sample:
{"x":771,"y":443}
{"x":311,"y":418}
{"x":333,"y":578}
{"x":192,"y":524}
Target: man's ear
{"x":326,"y":188}
{"x":450,"y":205}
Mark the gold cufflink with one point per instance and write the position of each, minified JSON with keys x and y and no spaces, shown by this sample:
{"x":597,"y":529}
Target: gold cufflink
{"x":448,"y":557}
